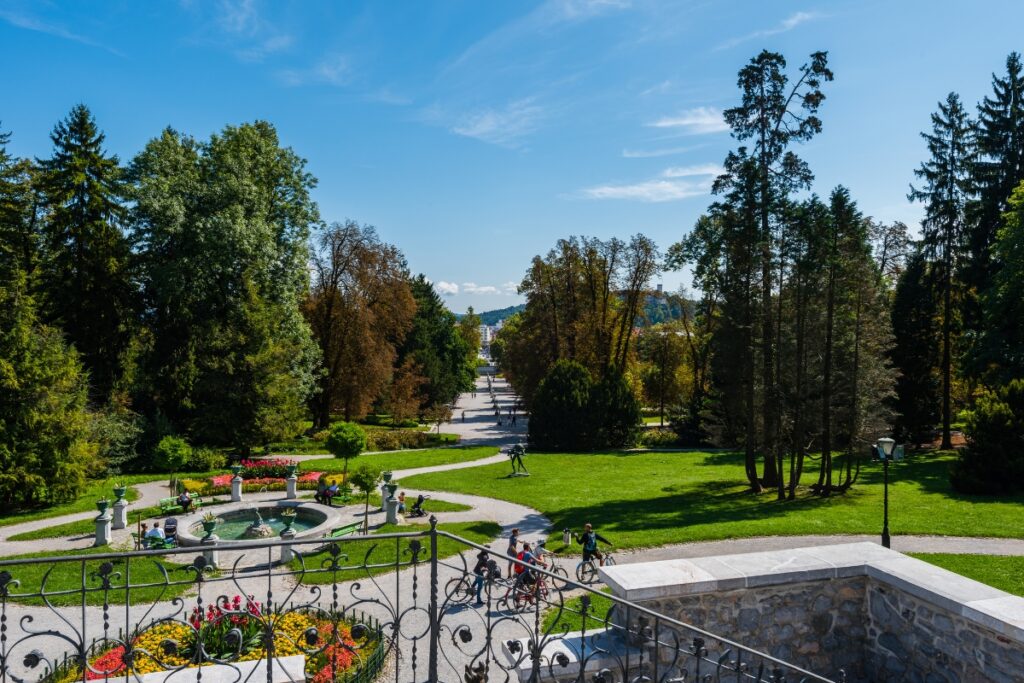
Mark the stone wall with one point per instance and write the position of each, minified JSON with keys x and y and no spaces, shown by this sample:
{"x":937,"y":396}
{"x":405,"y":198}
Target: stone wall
{"x":818,"y":625}
{"x":917,"y":642}
{"x":880,"y":616}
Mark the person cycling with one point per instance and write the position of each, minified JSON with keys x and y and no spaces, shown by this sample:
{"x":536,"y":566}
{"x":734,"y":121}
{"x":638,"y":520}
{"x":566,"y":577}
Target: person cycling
{"x":526,"y":578}
{"x":588,"y":539}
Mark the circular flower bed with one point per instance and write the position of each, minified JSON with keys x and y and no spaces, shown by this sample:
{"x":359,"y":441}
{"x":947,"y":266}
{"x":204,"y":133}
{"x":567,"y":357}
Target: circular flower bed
{"x":232,"y":632}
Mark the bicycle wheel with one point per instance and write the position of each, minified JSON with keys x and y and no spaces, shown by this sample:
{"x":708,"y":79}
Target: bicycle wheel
{"x":459,"y":590}
{"x":561,"y":578}
{"x":586,"y":572}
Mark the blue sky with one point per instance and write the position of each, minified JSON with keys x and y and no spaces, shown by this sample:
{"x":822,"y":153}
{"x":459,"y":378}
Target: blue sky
{"x":475,"y":134}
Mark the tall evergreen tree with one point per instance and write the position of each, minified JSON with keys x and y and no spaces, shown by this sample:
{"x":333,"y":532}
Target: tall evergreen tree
{"x":85,"y":282}
{"x":773,"y":115}
{"x":915,"y":352}
{"x":1001,"y":348}
{"x":947,"y":188}
{"x":43,"y":419}
{"x":18,"y":241}
{"x":998,"y":170}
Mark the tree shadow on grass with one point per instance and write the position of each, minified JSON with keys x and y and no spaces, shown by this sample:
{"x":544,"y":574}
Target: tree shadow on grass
{"x":698,"y":506}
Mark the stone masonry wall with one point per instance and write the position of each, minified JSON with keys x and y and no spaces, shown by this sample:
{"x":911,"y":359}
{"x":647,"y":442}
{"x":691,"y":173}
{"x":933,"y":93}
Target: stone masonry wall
{"x":915,"y":641}
{"x":819,"y":625}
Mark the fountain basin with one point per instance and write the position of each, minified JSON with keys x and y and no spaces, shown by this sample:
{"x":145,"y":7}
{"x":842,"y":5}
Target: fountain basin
{"x":312,"y":520}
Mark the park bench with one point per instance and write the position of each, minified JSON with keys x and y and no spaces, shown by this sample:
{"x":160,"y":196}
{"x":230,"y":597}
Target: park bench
{"x":346,"y":530}
{"x":169,"y":505}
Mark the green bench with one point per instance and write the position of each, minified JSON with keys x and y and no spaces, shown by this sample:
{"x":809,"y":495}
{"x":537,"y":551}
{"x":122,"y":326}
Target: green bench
{"x":169,"y":505}
{"x":346,"y":530}
{"x":153,"y":543}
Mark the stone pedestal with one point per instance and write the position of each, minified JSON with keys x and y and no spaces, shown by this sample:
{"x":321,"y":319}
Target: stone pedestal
{"x":392,"y":510}
{"x":209,"y":546}
{"x":236,"y":489}
{"x":384,"y":497}
{"x":291,"y":487}
{"x":286,"y":550}
{"x":103,"y":529}
{"x":120,"y":520}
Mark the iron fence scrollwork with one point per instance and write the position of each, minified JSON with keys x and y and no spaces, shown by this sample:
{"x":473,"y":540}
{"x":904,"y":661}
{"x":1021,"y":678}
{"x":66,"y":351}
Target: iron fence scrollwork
{"x":323,"y":617}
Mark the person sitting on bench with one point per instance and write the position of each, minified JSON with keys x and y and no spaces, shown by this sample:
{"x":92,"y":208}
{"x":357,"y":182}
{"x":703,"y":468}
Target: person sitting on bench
{"x":156,"y":535}
{"x":186,"y":502}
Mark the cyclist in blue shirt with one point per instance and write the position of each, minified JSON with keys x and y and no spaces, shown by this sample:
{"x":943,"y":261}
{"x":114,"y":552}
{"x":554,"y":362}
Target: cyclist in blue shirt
{"x":588,"y":539}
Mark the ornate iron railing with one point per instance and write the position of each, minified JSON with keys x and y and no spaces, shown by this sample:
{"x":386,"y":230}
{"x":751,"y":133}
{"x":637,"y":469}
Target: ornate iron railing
{"x":357,"y":609}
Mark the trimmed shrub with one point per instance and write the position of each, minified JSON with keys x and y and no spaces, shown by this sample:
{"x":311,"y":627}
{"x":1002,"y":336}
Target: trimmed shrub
{"x":171,"y":454}
{"x":397,"y":439}
{"x":346,"y":440}
{"x":206,"y":460}
{"x":993,"y":462}
{"x":658,"y":438}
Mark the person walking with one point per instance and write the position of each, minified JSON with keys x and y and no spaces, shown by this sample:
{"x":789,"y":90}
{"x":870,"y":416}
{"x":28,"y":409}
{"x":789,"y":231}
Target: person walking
{"x":513,"y":548}
{"x":480,"y":570}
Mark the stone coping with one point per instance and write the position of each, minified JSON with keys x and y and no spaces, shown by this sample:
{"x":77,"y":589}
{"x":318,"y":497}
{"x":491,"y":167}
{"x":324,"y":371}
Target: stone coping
{"x":332,"y":518}
{"x":986,"y":606}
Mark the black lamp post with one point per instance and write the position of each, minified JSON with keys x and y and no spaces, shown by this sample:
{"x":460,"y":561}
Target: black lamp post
{"x":885,"y":448}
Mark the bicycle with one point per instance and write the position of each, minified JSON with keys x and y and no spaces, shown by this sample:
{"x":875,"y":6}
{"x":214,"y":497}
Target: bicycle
{"x":586,"y":570}
{"x":460,"y":590}
{"x":521,"y":596}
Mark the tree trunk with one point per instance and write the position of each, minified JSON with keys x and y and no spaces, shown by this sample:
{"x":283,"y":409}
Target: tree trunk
{"x":825,"y":474}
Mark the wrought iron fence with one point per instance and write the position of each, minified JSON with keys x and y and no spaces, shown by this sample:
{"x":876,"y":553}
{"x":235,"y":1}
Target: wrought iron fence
{"x":397,"y":607}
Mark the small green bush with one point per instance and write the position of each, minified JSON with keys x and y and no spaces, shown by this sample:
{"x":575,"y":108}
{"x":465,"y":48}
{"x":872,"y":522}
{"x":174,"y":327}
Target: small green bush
{"x":346,"y":440}
{"x":206,"y":460}
{"x":658,"y":438}
{"x":171,"y":454}
{"x":397,"y":439}
{"x":993,"y":462}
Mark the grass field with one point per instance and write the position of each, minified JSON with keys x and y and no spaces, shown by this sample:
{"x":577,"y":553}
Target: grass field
{"x":404,"y":460}
{"x":650,"y":499}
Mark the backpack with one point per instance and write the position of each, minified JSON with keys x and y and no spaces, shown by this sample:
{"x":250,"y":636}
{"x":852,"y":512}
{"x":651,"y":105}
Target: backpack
{"x":519,"y":567}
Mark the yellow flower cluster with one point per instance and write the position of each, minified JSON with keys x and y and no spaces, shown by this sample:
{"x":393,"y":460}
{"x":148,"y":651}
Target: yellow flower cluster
{"x":151,"y":641}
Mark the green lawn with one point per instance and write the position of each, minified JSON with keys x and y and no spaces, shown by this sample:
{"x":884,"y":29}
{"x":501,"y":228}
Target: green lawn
{"x":1004,"y":573}
{"x":650,"y":499}
{"x":570,"y":617}
{"x":403,"y":460}
{"x":84,"y":503}
{"x":386,"y":551}
{"x":67,"y":576}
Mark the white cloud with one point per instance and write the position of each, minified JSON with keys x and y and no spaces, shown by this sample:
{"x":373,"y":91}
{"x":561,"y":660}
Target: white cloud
{"x":653,"y":153}
{"x":675,"y":183}
{"x":787,"y":24}
{"x":30,"y":23}
{"x":689,"y":171}
{"x":239,"y":16}
{"x":473,"y":288}
{"x":697,"y":121}
{"x":510,"y":287}
{"x":331,"y":70}
{"x":502,"y":126}
{"x":447,"y":288}
{"x":657,"y":89}
{"x":259,"y":52}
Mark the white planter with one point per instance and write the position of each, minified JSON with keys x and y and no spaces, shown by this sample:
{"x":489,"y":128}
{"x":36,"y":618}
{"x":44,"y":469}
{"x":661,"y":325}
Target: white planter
{"x":285,"y":670}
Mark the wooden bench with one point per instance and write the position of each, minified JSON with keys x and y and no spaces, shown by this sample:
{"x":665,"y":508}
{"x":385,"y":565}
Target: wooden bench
{"x":169,"y":505}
